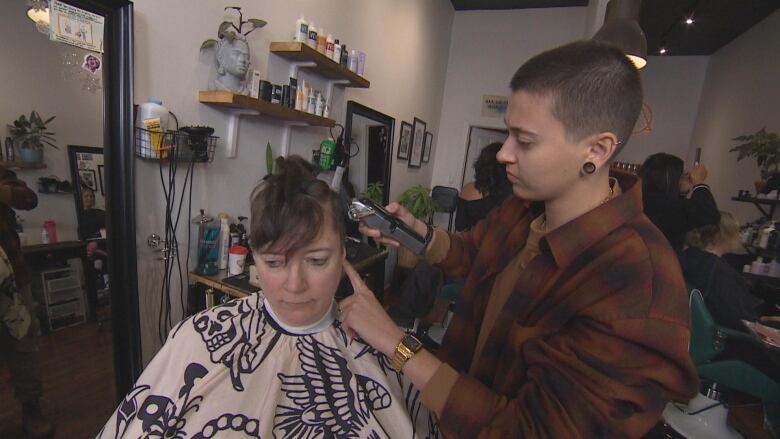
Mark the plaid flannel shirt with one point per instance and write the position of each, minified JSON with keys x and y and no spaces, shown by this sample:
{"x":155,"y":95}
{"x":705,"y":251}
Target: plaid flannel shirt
{"x":593,"y":340}
{"x":14,"y":194}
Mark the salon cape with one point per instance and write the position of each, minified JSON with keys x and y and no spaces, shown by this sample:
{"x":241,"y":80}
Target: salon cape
{"x":233,"y":371}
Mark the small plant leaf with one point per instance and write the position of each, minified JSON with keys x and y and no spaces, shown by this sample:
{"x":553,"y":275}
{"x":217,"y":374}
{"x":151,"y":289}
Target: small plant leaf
{"x":225,"y":25}
{"x":208,"y":43}
{"x":257,"y":23}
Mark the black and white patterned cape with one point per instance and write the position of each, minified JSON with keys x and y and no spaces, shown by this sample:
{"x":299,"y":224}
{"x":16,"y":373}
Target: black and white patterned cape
{"x":233,"y":372}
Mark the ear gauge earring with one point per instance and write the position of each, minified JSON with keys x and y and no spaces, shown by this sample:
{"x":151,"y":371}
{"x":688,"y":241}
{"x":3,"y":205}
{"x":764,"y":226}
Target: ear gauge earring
{"x":588,"y":168}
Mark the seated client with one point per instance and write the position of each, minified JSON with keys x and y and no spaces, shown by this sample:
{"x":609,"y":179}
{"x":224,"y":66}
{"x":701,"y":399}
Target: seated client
{"x":276,"y":363}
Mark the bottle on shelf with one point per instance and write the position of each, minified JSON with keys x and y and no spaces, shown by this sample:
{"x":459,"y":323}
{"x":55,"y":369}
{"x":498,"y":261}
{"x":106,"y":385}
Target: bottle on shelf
{"x":301,"y":30}
{"x":321,"y":41}
{"x":312,"y":36}
{"x":344,"y":55}
{"x":353,"y":61}
{"x":329,"y":46}
{"x":336,"y":51}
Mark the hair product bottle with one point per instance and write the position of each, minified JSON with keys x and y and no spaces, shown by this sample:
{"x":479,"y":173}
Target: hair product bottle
{"x":301,"y":34}
{"x":312,"y":36}
{"x":353,"y":60}
{"x":322,"y":41}
{"x":329,"y":46}
{"x":344,"y":55}
{"x":336,"y":52}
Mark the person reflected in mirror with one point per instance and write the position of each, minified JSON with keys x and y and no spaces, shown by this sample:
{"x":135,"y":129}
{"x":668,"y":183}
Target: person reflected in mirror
{"x":232,"y":64}
{"x":675,"y":201}
{"x":489,"y":188}
{"x":19,"y":326}
{"x":277,"y":363}
{"x":92,"y":218}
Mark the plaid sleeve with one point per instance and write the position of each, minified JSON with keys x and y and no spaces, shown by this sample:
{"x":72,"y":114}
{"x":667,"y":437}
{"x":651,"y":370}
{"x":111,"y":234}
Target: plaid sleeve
{"x":586,"y":382}
{"x":15,"y":193}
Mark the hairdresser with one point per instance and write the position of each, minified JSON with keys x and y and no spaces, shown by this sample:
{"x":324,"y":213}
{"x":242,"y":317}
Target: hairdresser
{"x":676,"y":202}
{"x":573,"y":320}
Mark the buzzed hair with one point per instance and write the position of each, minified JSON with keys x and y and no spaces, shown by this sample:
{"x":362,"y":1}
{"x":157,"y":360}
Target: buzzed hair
{"x":594,"y":88}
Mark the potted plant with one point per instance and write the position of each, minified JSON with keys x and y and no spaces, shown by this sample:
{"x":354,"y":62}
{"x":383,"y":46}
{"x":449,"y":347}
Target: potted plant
{"x":29,"y":136}
{"x":765,"y":148}
{"x":375,"y":192}
{"x":418,"y":201}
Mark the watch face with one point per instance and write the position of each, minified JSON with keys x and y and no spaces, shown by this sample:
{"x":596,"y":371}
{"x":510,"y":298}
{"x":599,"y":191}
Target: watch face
{"x":412,"y":343}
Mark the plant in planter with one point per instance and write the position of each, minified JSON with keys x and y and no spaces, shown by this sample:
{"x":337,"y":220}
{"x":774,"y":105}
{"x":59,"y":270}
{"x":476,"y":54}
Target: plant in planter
{"x":30,"y":135}
{"x":375,"y":192}
{"x":418,"y":201}
{"x":765,"y":148}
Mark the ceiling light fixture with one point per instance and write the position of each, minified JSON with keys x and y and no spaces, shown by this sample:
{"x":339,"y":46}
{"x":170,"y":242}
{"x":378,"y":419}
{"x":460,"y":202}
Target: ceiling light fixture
{"x":39,"y":13}
{"x":621,"y":29}
{"x":689,"y":20}
{"x":662,"y":51}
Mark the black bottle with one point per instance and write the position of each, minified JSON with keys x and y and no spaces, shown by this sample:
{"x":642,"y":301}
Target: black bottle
{"x":344,"y":55}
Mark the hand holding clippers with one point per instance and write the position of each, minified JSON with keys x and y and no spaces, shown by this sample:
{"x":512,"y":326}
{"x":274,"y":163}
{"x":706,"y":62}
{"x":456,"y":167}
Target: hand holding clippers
{"x":376,"y":217}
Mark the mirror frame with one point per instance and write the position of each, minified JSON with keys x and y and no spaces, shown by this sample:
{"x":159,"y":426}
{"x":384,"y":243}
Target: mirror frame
{"x":355,"y":108}
{"x":120,"y":185}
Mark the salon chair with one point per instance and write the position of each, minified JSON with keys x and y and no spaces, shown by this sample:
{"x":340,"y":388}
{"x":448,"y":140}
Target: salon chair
{"x":706,"y":414}
{"x":446,"y":201}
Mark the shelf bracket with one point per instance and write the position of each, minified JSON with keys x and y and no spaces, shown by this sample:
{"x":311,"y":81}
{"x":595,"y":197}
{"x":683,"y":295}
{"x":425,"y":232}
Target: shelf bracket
{"x":231,"y":147}
{"x":329,"y":90}
{"x":295,"y":66}
{"x":286,"y":134}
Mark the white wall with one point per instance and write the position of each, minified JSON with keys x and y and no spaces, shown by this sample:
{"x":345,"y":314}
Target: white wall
{"x":741,"y":95}
{"x":672,"y":88}
{"x":488,"y":46}
{"x":31,"y":78}
{"x":485,"y":50}
{"x":407,"y":43}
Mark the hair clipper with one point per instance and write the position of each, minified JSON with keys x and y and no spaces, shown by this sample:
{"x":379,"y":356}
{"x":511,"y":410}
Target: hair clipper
{"x":378,"y":218}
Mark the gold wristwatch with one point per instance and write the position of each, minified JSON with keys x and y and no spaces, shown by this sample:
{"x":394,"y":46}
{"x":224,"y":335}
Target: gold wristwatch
{"x":407,"y":347}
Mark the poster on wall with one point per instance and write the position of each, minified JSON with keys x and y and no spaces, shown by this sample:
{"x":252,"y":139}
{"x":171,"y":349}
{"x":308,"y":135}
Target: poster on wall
{"x":418,"y":137}
{"x":426,"y":157}
{"x":494,"y":105}
{"x":75,"y":26}
{"x":403,"y":140}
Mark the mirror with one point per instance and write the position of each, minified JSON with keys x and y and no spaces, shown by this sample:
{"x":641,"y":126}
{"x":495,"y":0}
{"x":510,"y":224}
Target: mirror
{"x":85,"y":338}
{"x":88,"y":176}
{"x":371,"y":147}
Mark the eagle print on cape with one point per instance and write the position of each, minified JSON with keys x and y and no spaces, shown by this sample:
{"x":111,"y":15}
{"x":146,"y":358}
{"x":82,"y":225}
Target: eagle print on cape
{"x":329,"y":399}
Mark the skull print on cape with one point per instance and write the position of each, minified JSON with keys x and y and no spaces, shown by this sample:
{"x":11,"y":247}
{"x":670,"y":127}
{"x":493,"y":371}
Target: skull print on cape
{"x":233,"y":371}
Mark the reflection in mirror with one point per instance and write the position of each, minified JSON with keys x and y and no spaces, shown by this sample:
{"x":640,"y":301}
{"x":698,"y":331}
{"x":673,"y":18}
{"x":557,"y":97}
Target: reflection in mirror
{"x":371,"y":147}
{"x":87,"y":171}
{"x":56,"y":370}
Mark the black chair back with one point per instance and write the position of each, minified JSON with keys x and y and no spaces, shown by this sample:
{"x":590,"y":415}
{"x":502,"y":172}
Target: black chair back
{"x":446,"y":199}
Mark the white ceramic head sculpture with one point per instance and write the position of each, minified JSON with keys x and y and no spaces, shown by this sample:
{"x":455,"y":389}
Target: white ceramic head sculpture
{"x":232,"y":56}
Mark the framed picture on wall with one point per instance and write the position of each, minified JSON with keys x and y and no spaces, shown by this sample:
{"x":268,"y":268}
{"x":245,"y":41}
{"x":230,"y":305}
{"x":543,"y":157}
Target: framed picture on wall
{"x":427,"y":147}
{"x":88,"y":179}
{"x":101,"y":180}
{"x":404,"y":141}
{"x":9,"y":149}
{"x":418,"y":137}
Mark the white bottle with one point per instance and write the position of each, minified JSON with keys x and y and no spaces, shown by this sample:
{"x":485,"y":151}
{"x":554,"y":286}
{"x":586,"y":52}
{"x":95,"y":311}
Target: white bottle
{"x":150,"y":142}
{"x":352,"y":62}
{"x":312,"y":36}
{"x":224,"y":240}
{"x":303,"y":103}
{"x":336,"y":52}
{"x":318,"y":105}
{"x":301,"y":31}
{"x":312,"y":105}
{"x":44,"y":236}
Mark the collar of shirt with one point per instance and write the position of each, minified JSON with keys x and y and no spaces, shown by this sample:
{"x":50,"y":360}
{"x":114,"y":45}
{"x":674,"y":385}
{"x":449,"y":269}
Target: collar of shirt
{"x":573,"y":238}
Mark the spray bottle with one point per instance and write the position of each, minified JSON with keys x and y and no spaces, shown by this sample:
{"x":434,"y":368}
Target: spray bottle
{"x":208,"y":244}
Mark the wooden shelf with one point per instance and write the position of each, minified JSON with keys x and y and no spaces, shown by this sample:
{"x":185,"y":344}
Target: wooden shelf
{"x":233,"y":100}
{"x":22,"y":165}
{"x":325,"y":66}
